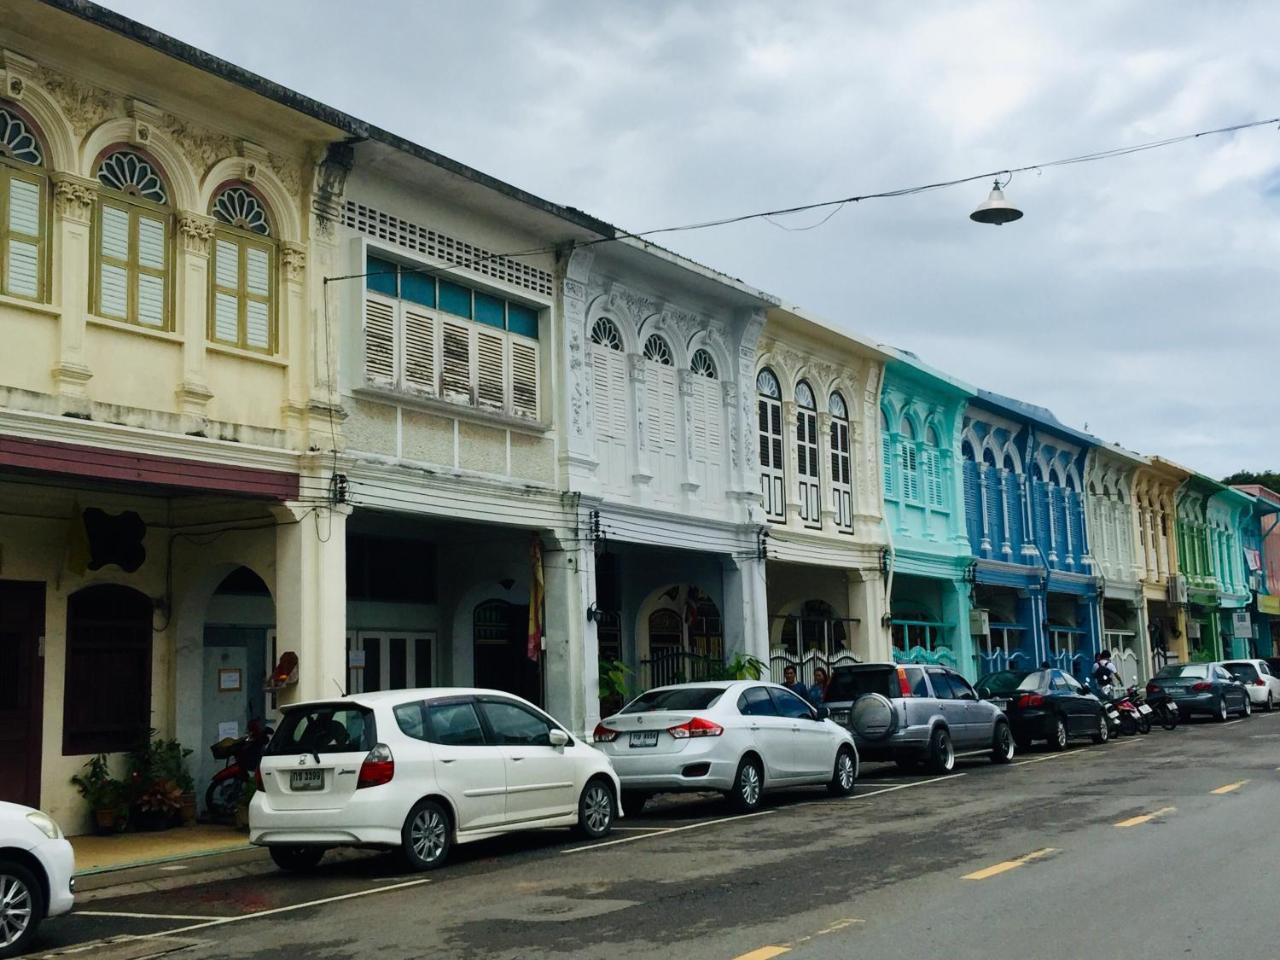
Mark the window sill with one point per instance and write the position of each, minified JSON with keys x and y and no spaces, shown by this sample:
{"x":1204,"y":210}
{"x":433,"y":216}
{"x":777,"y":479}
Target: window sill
{"x":125,"y":327}
{"x":242,"y":354}
{"x":30,"y":306}
{"x":449,"y":408}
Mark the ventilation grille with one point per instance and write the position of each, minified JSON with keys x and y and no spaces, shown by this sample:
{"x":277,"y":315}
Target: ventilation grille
{"x":383,"y":226}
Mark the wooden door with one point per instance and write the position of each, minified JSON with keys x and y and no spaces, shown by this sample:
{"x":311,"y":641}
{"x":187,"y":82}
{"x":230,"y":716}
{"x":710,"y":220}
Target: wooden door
{"x":21,"y":690}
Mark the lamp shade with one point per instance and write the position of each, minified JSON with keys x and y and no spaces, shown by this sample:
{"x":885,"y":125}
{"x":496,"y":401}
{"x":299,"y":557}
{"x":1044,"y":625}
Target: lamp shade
{"x":996,"y":209}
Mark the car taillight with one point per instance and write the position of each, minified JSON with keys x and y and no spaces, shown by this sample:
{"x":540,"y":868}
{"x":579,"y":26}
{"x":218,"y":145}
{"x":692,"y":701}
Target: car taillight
{"x":257,"y":779}
{"x":697,"y":727}
{"x":1201,"y":687}
{"x":1152,"y":688}
{"x":378,"y":767}
{"x":1030,"y":700}
{"x":603,"y":734}
{"x":1259,"y":682}
{"x":904,"y":685}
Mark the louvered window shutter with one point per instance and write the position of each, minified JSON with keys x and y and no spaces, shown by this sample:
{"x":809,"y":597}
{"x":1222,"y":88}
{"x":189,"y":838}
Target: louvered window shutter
{"x":491,"y":387}
{"x":1015,"y":510}
{"x":419,"y":349}
{"x":972,"y":505}
{"x":995,"y":511}
{"x":226,"y":278}
{"x":22,"y":258}
{"x":524,"y":377}
{"x":257,"y":307}
{"x":602,"y":390}
{"x":152,"y":245}
{"x":886,"y":462}
{"x":113,"y":272}
{"x":455,"y":371}
{"x":379,"y":341}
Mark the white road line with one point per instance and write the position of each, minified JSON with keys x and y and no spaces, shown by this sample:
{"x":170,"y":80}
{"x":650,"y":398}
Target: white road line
{"x":145,"y":916}
{"x":663,"y":833}
{"x":1232,"y":723}
{"x":1048,"y":756}
{"x":903,"y":786}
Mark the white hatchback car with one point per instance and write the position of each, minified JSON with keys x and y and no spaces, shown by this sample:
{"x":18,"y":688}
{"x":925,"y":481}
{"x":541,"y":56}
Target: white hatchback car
{"x":36,"y":867}
{"x":740,"y":737}
{"x":420,"y":770}
{"x":1262,"y":686}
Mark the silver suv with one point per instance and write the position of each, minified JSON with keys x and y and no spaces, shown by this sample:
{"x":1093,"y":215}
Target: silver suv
{"x":908,"y":714}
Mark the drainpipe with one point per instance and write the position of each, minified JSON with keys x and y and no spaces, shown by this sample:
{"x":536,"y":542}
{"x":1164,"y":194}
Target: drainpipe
{"x":888,"y":563}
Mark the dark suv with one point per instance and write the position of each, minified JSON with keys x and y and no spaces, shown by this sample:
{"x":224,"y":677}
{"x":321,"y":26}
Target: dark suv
{"x":909,"y":713}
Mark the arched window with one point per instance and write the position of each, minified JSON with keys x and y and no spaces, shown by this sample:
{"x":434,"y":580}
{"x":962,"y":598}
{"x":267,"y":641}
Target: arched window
{"x":656,"y":350}
{"x":133,"y":228}
{"x":931,"y":465}
{"x":662,"y":415}
{"x":703,"y":364}
{"x":23,"y":188}
{"x":610,"y":401}
{"x":886,"y":456}
{"x":604,"y":333}
{"x":706,"y":422}
{"x":909,"y":462}
{"x":242,"y":277}
{"x":807,"y":470}
{"x":772,"y":474}
{"x":841,"y":477}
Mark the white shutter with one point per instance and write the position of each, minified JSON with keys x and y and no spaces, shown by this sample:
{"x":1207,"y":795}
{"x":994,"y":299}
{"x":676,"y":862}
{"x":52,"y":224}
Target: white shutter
{"x":419,"y":349}
{"x":113,"y":281}
{"x":491,"y":386}
{"x":114,"y":241}
{"x":151,"y":254}
{"x":151,"y":243}
{"x":226,"y":306}
{"x":602,"y":392}
{"x":455,"y":371}
{"x":257,"y":320}
{"x":257,"y":271}
{"x":379,"y":341}
{"x":150,"y":300}
{"x":225,"y":320}
{"x":22,"y":268}
{"x":524,"y":377}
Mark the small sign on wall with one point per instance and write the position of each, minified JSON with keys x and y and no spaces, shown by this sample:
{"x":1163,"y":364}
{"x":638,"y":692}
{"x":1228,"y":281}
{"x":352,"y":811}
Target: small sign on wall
{"x":355,"y":659}
{"x":229,"y":680}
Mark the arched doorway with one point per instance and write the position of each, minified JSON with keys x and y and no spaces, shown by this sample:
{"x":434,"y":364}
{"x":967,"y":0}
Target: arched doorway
{"x":683,"y":637}
{"x":500,"y":638}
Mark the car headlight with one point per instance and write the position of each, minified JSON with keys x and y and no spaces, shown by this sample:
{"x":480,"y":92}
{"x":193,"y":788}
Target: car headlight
{"x":45,"y":824}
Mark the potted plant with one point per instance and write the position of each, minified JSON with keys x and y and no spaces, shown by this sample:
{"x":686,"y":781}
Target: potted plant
{"x":159,"y":804}
{"x":106,"y":796}
{"x":156,"y":769}
{"x":612,"y":686}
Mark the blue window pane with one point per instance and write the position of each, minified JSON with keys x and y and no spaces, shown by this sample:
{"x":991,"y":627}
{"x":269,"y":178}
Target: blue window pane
{"x":381,"y":276}
{"x":490,"y":310}
{"x":455,"y":299}
{"x":418,"y":287}
{"x":522,"y":320}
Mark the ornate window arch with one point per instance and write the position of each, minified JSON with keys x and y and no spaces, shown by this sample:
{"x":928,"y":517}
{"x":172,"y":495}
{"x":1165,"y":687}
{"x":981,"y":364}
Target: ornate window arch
{"x":772,"y":453}
{"x":133,"y":233}
{"x":909,"y":460}
{"x":24,"y":189}
{"x":242,"y":274}
{"x":604,"y":333}
{"x":841,"y":475}
{"x":658,"y":351}
{"x":807,"y":469}
{"x":703,"y":364}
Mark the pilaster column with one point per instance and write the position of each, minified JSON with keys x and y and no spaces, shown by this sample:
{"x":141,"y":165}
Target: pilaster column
{"x":955,"y":610}
{"x":571,"y":658}
{"x":746,"y":609}
{"x":867,"y":604}
{"x":292,"y":326}
{"x":73,"y":200}
{"x":192,"y":299}
{"x":826,"y":491}
{"x":643,"y":471}
{"x":689,"y":482}
{"x":311,"y":595}
{"x":791,"y":483}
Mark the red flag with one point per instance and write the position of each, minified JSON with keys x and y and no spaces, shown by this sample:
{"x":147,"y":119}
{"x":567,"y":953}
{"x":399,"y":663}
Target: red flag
{"x":537,"y":590}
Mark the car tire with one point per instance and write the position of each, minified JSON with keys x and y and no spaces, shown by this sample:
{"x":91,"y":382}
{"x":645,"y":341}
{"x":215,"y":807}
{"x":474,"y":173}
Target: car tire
{"x":1247,"y":709}
{"x":1058,"y":734}
{"x":1271,"y":702}
{"x":1002,"y":748}
{"x":633,"y":802}
{"x":299,"y":859}
{"x":18,"y":885}
{"x":426,"y":836}
{"x":748,"y":786}
{"x":1221,"y":714}
{"x":844,"y":777}
{"x":1103,"y":733}
{"x":596,"y":809}
{"x":222,"y":798}
{"x":942,"y":756}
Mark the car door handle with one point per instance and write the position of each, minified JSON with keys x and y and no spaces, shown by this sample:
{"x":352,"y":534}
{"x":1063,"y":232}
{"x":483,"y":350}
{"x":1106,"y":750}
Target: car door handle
{"x":516,"y":759}
{"x":754,"y":726}
{"x":449,"y":760}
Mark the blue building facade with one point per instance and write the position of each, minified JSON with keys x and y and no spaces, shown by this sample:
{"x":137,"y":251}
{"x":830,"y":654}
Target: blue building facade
{"x":1036,"y":596}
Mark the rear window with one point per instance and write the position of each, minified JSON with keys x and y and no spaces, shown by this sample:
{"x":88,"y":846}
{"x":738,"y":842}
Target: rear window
{"x":1000,"y":684}
{"x":1242,"y":671}
{"x":1184,"y":670}
{"x":1039,"y":680}
{"x":850,"y":683}
{"x":675,"y":698}
{"x":324,"y":728}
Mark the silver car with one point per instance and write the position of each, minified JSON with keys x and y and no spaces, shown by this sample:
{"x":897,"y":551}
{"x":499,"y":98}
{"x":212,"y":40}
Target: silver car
{"x":909,"y":714}
{"x":739,"y":737}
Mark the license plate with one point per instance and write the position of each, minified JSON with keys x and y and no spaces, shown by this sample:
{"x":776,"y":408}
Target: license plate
{"x":1144,"y":709}
{"x":306,"y":780}
{"x":1171,"y":706}
{"x":1113,"y":715}
{"x":645,"y":738}
{"x":1001,"y":704}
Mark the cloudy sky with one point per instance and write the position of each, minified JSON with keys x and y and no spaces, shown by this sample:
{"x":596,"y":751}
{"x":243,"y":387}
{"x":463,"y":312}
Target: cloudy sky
{"x":1138,"y":296}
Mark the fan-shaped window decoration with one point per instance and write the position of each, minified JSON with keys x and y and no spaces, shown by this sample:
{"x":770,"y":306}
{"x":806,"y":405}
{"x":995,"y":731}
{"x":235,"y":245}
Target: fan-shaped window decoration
{"x":604,"y":333}
{"x":703,"y":364}
{"x":838,"y":408}
{"x":767,"y":384}
{"x":804,"y":396}
{"x":17,"y":142}
{"x":132,"y":174}
{"x":23,"y":193}
{"x":656,"y":349}
{"x":132,"y":236}
{"x":242,"y":275}
{"x":237,"y":207}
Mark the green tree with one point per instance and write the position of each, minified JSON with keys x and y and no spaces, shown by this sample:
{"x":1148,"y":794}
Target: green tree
{"x":1267,"y":478}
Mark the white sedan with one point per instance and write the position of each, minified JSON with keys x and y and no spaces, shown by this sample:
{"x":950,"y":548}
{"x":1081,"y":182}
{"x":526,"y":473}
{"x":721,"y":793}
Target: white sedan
{"x":36,"y":867}
{"x":1262,"y":686}
{"x":740,"y":737}
{"x":421,"y":770}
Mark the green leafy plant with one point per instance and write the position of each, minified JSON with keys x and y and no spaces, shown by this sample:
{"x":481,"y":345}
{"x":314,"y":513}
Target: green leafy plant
{"x":1202,"y":656}
{"x":614,"y":680}
{"x":100,"y":789}
{"x":741,"y":667}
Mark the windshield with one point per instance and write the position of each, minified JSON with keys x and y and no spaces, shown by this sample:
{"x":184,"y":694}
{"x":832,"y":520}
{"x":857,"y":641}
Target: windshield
{"x":850,"y":683}
{"x":324,"y":728}
{"x":675,"y":698}
{"x":1242,"y":671}
{"x":1000,"y":684}
{"x":1184,"y":670}
{"x":1035,"y":681}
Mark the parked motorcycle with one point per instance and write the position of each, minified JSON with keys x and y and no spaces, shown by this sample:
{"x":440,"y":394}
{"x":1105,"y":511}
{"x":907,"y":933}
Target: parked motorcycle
{"x":242,"y":756}
{"x":1165,"y":709}
{"x":1131,"y":719}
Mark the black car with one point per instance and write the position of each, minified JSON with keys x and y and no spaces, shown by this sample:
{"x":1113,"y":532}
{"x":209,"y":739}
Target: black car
{"x":1049,"y":705}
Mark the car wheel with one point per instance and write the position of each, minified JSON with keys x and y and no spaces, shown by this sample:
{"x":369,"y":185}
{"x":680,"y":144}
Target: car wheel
{"x":296,"y":859}
{"x":1271,"y":702}
{"x":1220,"y":714}
{"x":1247,"y":709}
{"x":1058,"y":734}
{"x":1103,"y":733}
{"x":426,"y":836}
{"x":21,"y":908}
{"x":942,"y":758}
{"x":748,"y":784}
{"x":633,"y":802}
{"x":845,"y":775}
{"x":595,"y":810}
{"x":1002,"y":744}
{"x":222,"y":798}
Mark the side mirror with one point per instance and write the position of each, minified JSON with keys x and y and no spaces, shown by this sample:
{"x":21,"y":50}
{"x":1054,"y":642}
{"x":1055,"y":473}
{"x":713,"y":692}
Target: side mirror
{"x":558,"y":737}
{"x":822,"y":713}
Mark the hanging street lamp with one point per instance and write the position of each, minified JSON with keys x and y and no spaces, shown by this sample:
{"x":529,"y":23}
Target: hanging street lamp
{"x":996,"y":209}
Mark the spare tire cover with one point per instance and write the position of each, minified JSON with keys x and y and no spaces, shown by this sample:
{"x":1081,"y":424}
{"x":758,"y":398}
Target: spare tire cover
{"x":873,"y":717}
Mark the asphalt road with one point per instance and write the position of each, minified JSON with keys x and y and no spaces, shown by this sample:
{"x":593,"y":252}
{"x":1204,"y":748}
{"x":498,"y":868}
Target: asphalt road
{"x":1160,"y":847}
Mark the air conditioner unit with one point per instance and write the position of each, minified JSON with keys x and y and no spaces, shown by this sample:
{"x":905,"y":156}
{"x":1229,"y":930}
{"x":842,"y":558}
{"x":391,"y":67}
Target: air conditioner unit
{"x":1193,"y":629}
{"x":1177,"y":588}
{"x":979,"y":622}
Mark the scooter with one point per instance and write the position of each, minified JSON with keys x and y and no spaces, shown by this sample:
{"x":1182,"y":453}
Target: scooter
{"x":1135,"y":716}
{"x":1165,"y":709}
{"x":242,"y":755}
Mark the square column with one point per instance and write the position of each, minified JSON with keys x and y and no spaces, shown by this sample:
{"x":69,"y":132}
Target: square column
{"x":746,"y":609}
{"x":872,"y":641}
{"x":570,"y":660}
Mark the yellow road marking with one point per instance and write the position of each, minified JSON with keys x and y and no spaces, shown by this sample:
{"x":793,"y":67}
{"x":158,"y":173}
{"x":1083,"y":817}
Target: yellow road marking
{"x":764,"y":953}
{"x":1007,"y":865}
{"x":1230,"y":787}
{"x":1146,"y":817}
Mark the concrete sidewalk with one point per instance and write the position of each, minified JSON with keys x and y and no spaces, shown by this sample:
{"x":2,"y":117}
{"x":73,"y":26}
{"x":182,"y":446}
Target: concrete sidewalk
{"x":99,"y":854}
